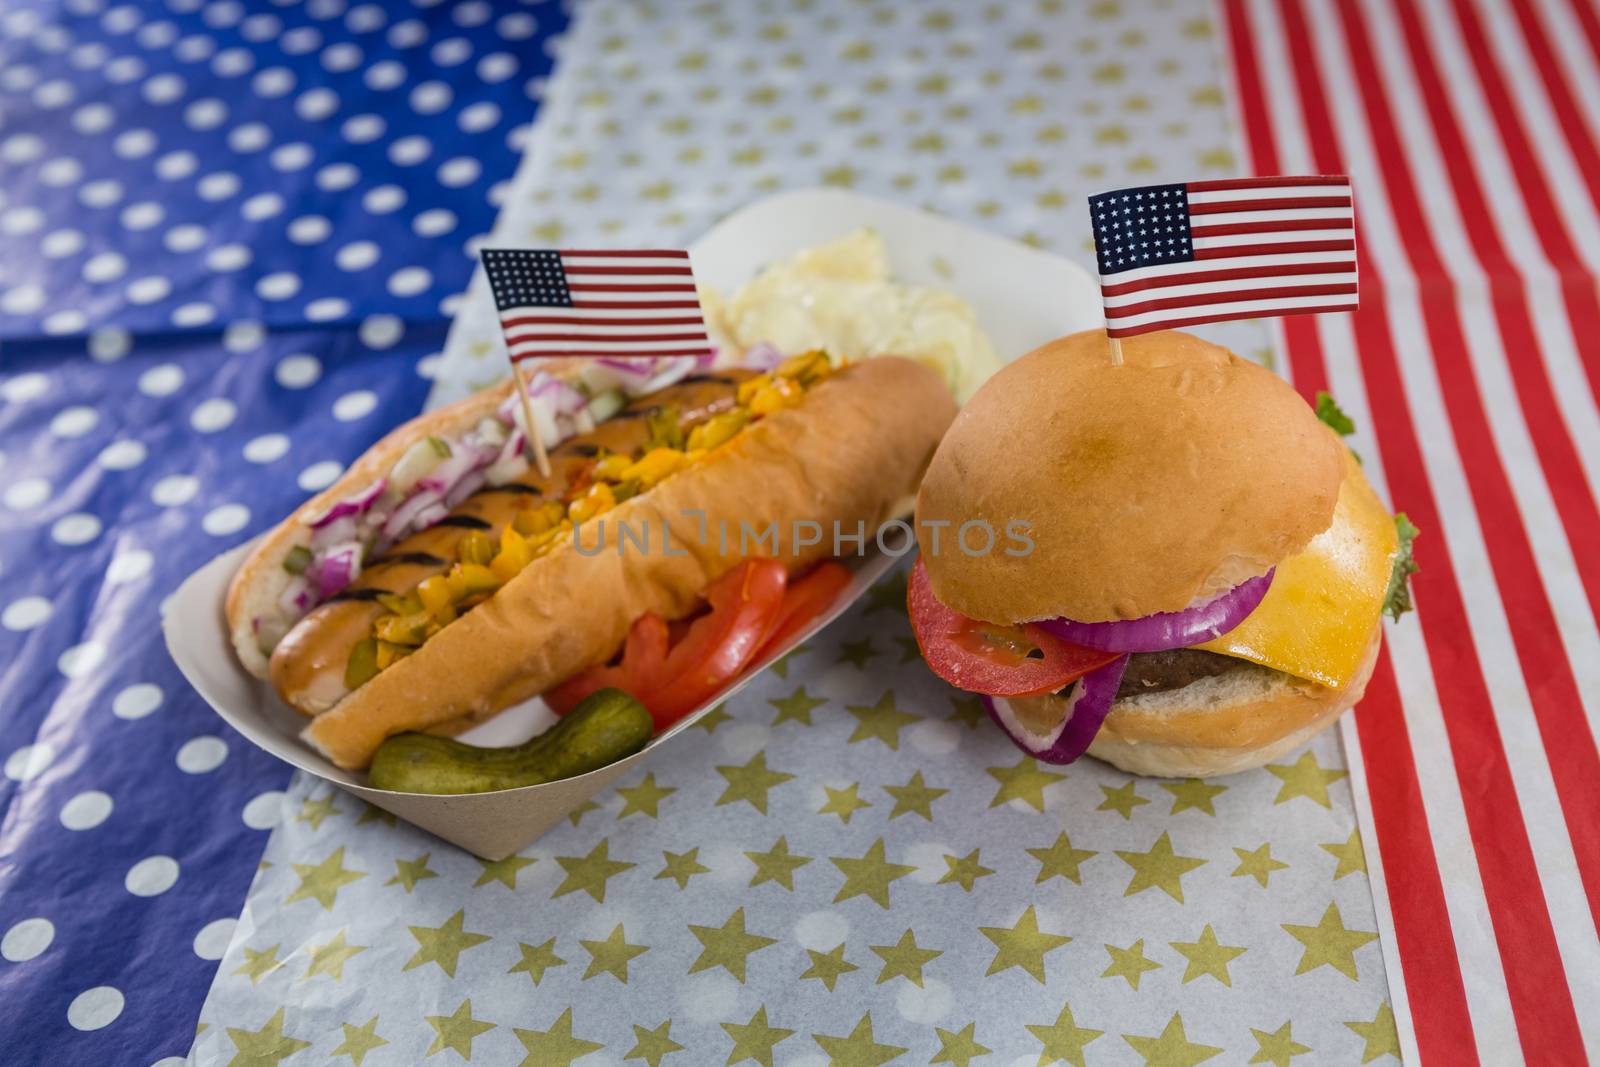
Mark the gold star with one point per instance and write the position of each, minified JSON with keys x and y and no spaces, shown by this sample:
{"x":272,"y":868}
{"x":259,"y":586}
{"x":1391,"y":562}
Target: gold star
{"x":536,"y":961}
{"x":1129,"y":963}
{"x":755,"y":1040}
{"x":1207,"y":956}
{"x":576,"y":815}
{"x":859,"y":1049}
{"x":443,"y":944}
{"x":373,"y":813}
{"x":590,"y":873}
{"x":264,"y":1047}
{"x":1023,"y":945}
{"x":1122,"y":800}
{"x":915,"y":796}
{"x":882,"y":720}
{"x":644,"y":798}
{"x":1026,"y":782}
{"x":611,"y":956}
{"x":503,"y":871}
{"x":904,"y":959}
{"x":777,"y":865}
{"x":1329,"y":942}
{"x":360,"y":1040}
{"x":321,"y":882}
{"x":1380,"y":1035}
{"x":456,"y":1030}
{"x":1258,"y":864}
{"x":652,"y":1046}
{"x":959,"y":1047}
{"x":714,"y":718}
{"x":869,"y":876}
{"x":1172,"y":1049}
{"x":751,"y":782}
{"x":1278,"y":1047}
{"x":796,"y":707}
{"x":555,"y":1047}
{"x":330,"y":958}
{"x":857,"y":653}
{"x":965,"y":871}
{"x":1064,"y":1039}
{"x":682,"y":866}
{"x":409,"y":872}
{"x":1351,"y":855}
{"x":258,"y":964}
{"x":968,"y":711}
{"x":1193,"y":793}
{"x":1160,"y":868}
{"x":727,"y":946}
{"x":1304,"y":778}
{"x":828,"y":967}
{"x":1060,"y":860}
{"x":315,"y":811}
{"x":842,"y":802}
{"x":908,"y":649}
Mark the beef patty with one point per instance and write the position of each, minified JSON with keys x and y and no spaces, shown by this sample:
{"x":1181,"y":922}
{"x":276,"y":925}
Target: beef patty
{"x":1159,"y":672}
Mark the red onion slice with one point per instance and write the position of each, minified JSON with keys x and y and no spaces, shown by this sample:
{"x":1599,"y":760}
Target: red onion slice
{"x":354,"y":504}
{"x":1167,"y":629}
{"x":1086,"y":708}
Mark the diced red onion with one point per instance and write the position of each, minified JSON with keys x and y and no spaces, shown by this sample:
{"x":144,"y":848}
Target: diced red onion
{"x":636,"y":370}
{"x":464,"y":488}
{"x":565,"y":399}
{"x":406,"y":516}
{"x":337,"y":569}
{"x":706,"y":360}
{"x":463,"y":460}
{"x":763,"y":355}
{"x":332,"y":533}
{"x":1167,"y":629}
{"x":431,"y":514}
{"x":354,"y":504}
{"x":1084,"y":710}
{"x":676,"y":369}
{"x":296,"y":596}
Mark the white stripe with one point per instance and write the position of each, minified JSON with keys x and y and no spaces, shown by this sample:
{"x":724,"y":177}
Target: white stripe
{"x":1243,"y":309}
{"x":620,"y":315}
{"x":1285,"y":192}
{"x":1225,"y":263}
{"x":592,"y":329}
{"x":1490,"y":630}
{"x":639,"y":264}
{"x":1202,"y":288}
{"x":1572,"y":46}
{"x":621,"y":348}
{"x":1223,"y":218}
{"x":1277,"y":237}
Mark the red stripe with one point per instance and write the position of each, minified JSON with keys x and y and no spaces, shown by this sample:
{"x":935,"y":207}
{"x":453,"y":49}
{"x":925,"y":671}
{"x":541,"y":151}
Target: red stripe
{"x":1281,"y":226}
{"x":1288,"y":203}
{"x":1589,"y":20}
{"x":601,"y":287}
{"x":1250,"y":251}
{"x":575,"y":272}
{"x":1226,"y":275}
{"x":628,"y":253}
{"x":1562,"y":99}
{"x":1235,"y":297}
{"x":1200,"y":320}
{"x":1216,"y":185}
{"x":1536,"y":983}
{"x":578,"y":320}
{"x":583,"y":353}
{"x":631,"y":338}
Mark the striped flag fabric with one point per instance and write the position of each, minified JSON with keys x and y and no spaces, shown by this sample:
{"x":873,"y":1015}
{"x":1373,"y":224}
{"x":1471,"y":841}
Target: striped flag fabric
{"x":1195,"y":252}
{"x":596,"y":302}
{"x":1472,"y":369}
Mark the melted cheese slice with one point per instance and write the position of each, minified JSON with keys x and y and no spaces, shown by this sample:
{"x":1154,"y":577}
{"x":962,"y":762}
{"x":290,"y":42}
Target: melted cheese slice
{"x":1318,"y":616}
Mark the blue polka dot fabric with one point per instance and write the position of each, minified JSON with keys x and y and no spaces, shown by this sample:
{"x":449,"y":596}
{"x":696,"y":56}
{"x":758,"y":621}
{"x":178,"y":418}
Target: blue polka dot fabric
{"x":229,"y":238}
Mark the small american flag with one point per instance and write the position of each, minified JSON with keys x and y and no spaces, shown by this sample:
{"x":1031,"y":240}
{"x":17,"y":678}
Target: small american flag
{"x":1177,"y":255}
{"x":596,"y":302}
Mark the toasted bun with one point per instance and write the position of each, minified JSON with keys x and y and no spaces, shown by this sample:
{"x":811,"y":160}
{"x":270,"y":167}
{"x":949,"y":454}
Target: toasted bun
{"x":1236,"y":721}
{"x":1146,"y":486}
{"x":851,"y":453}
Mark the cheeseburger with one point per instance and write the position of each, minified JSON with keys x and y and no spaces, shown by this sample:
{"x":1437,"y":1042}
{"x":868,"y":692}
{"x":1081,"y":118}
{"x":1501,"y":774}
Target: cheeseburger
{"x":1171,"y":563}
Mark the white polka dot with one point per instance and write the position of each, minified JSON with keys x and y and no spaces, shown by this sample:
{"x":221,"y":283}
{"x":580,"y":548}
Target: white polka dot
{"x":134,"y":144}
{"x":86,"y":810}
{"x":212,"y":940}
{"x":409,"y":281}
{"x":262,"y":206}
{"x":319,"y":475}
{"x":327,"y":308}
{"x":365,"y":18}
{"x":105,"y":267}
{"x":226,"y":258}
{"x":58,"y":93}
{"x":935,"y":737}
{"x":22,"y":148}
{"x":101,"y":193}
{"x":251,"y":137}
{"x":202,"y":754}
{"x":164,"y":89}
{"x":22,"y":220}
{"x":30,"y":761}
{"x":362,"y":129}
{"x":156,"y":35}
{"x":928,"y":858}
{"x":264,"y":811}
{"x":122,"y":455}
{"x":471,"y":13}
{"x":475,"y":118}
{"x":129,"y":566}
{"x":460,"y":171}
{"x":497,"y":67}
{"x":142,"y":216}
{"x":385,"y":74}
{"x":517,"y":26}
{"x":273,"y":82}
{"x":26,"y":493}
{"x":225,"y":519}
{"x":431,"y":97}
{"x":342,"y":57}
{"x":74,"y":421}
{"x":925,"y":1004}
{"x":336,"y":177}
{"x":81,"y":659}
{"x":233,"y":62}
{"x":25,"y":387}
{"x":381,"y":331}
{"x":23,"y":299}
{"x":59,"y":244}
{"x":278,"y":286}
{"x":352,"y":406}
{"x":125,"y":69}
{"x":405,"y":152}
{"x":292,"y":157}
{"x":61,"y":171}
{"x":428,"y":366}
{"x":151,"y":876}
{"x":195,"y":313}
{"x":137,"y":701}
{"x":821,"y":930}
{"x":78,"y":528}
{"x":149,"y":289}
{"x":205,"y":114}
{"x":266,"y":448}
{"x":163,"y":380}
{"x":175,"y":490}
{"x":219,"y":186}
{"x":317,"y":104}
{"x":260,"y":28}
{"x":309,"y":229}
{"x":95,"y":1009}
{"x":450,"y":52}
{"x":68,"y":320}
{"x":708,"y":997}
{"x":300,"y":40}
{"x":92,"y":119}
{"x":358,"y":255}
{"x":27,"y":939}
{"x":185,"y":238}
{"x":212,"y":415}
{"x":243,"y":336}
{"x":175,"y":166}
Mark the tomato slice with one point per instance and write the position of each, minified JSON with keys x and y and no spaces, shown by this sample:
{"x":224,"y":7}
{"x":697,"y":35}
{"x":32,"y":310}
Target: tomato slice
{"x":982,"y":657}
{"x":717,"y":646}
{"x":803,"y":601}
{"x":638,"y":672}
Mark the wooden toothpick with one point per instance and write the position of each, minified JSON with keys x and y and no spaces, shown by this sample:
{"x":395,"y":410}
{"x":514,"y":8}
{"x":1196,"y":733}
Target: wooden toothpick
{"x":532,"y":440}
{"x":1116,"y":352}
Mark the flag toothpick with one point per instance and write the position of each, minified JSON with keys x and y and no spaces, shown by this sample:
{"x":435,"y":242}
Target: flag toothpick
{"x":1116,"y":352}
{"x":534,"y":441}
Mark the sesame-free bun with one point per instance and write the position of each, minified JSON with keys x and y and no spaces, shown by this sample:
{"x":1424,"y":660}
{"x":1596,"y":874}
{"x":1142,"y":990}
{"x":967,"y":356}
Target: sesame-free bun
{"x":1147,"y":486}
